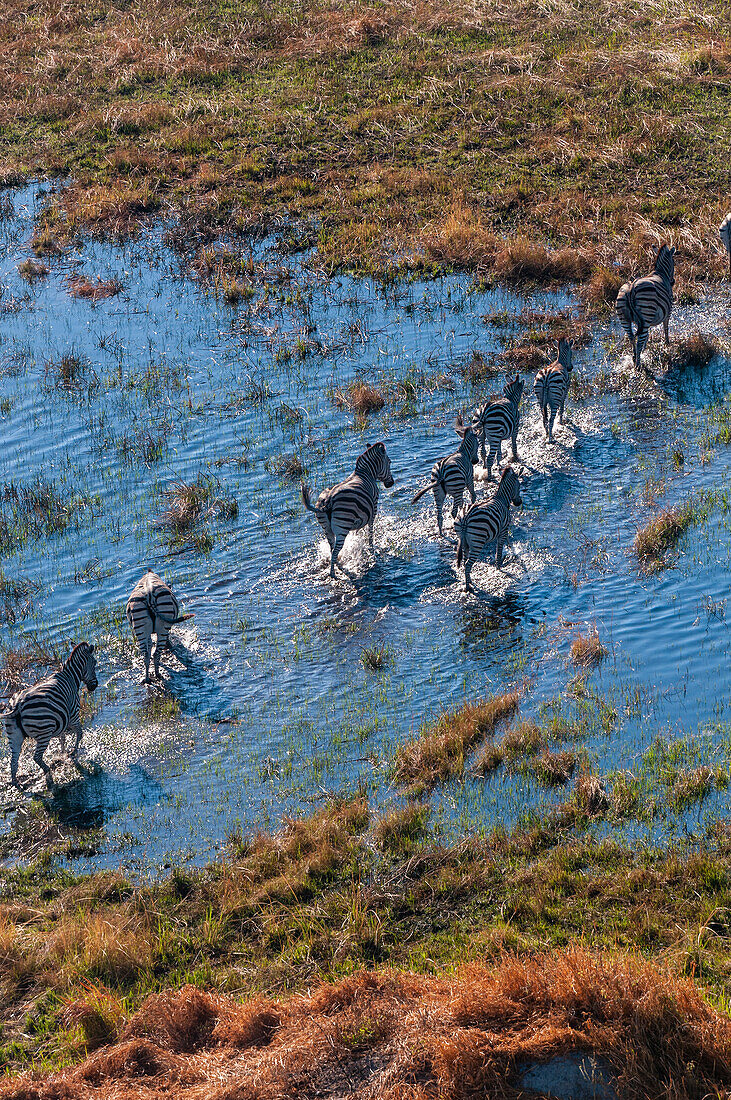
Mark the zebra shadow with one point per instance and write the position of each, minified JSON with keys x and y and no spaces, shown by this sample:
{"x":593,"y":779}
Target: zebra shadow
{"x":399,"y":581}
{"x":88,"y":800}
{"x":497,"y":622}
{"x":187,"y":680}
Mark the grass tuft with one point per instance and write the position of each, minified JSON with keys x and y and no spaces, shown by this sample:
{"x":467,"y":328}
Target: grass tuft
{"x":661,"y":534}
{"x":587,"y":651}
{"x":695,"y":350}
{"x":439,"y":754}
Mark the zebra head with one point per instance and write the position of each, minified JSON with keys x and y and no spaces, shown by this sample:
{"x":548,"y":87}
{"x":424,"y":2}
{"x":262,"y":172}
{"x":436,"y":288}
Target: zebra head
{"x":82,"y":663}
{"x":514,"y":390}
{"x":724,"y":232}
{"x":565,"y":354}
{"x":665,"y":264}
{"x":470,"y":442}
{"x":375,"y":460}
{"x":509,"y":486}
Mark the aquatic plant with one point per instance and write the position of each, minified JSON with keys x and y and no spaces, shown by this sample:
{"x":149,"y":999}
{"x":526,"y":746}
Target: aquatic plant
{"x":661,"y":534}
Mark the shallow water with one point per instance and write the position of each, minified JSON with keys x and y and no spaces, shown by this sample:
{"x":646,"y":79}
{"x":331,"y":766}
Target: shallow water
{"x":276,"y":707}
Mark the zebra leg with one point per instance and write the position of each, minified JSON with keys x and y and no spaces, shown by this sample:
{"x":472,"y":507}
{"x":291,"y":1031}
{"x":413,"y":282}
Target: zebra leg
{"x":458,"y":498}
{"x":640,"y":345}
{"x":562,"y":408}
{"x":499,"y":553}
{"x":514,"y":441}
{"x":15,"y":737}
{"x":143,"y":626}
{"x":439,"y":498}
{"x":471,"y":484}
{"x":370,"y":535}
{"x":491,"y":457}
{"x":544,"y":415}
{"x":666,"y":330}
{"x":550,"y":424}
{"x":38,"y":757}
{"x":336,"y":548}
{"x":468,"y":574}
{"x":162,"y":630}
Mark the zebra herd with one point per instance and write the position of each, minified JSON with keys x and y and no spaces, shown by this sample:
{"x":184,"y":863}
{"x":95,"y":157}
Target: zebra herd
{"x":51,"y":708}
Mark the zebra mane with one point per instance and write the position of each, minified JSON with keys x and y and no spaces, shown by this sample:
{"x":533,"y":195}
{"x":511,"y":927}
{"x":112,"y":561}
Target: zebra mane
{"x":371,"y":456}
{"x":83,"y":649}
{"x":665,"y":262}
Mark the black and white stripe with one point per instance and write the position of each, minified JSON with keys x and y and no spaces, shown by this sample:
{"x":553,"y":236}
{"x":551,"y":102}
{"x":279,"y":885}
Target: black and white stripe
{"x":647,"y":302}
{"x":50,"y":709}
{"x":487,"y":522}
{"x":352,"y":504}
{"x":724,"y":232}
{"x":152,"y":609}
{"x":552,"y":385}
{"x":498,"y":420}
{"x":450,"y":476}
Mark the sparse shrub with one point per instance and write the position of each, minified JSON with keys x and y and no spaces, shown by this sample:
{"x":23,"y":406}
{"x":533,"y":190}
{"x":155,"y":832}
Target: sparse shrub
{"x":695,"y":350}
{"x":587,"y":650}
{"x":31,"y":270}
{"x":603,"y":287}
{"x":554,"y":768}
{"x":81,"y":287}
{"x":364,"y":399}
{"x":98,"y":1012}
{"x":590,"y":796}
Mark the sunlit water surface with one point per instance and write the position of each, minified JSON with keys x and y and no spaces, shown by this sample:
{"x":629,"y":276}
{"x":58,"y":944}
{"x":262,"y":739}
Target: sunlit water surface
{"x":276,"y":707}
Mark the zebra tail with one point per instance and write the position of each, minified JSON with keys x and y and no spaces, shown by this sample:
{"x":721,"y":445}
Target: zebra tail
{"x":459,"y":553}
{"x":421,"y":492}
{"x":306,"y":498}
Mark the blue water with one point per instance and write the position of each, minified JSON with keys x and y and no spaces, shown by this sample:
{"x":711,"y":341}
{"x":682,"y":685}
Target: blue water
{"x":276,"y":707}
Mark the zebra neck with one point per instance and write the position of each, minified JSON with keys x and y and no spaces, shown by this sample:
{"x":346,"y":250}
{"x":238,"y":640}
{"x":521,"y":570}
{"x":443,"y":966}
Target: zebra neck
{"x":68,"y":672}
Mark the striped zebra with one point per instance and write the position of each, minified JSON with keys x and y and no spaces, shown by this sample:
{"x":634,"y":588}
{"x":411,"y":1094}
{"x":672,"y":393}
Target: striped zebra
{"x":50,"y":709}
{"x":647,"y":302}
{"x":487,"y":522}
{"x":497,"y":420}
{"x":724,"y":232}
{"x":450,"y":476}
{"x":552,"y":385}
{"x":152,"y":609}
{"x":352,"y":504}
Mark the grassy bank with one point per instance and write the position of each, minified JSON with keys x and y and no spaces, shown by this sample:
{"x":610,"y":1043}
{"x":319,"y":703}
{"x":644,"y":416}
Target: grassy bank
{"x":336,"y":893}
{"x":430,"y":134}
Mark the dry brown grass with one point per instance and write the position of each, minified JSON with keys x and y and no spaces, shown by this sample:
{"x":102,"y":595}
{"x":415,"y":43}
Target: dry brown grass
{"x":400,"y":1036}
{"x":661,"y":534}
{"x":361,"y":397}
{"x":81,"y":287}
{"x":439,"y":753}
{"x":587,"y":650}
{"x":695,"y":350}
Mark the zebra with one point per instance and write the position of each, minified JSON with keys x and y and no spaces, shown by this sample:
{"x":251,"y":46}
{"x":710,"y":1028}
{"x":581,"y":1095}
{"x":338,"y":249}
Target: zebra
{"x":647,"y":302}
{"x":352,"y":504}
{"x":724,"y":231}
{"x":552,"y":385}
{"x":50,"y":709}
{"x":450,"y":476}
{"x":152,"y":609}
{"x":487,"y":522}
{"x":496,"y":420}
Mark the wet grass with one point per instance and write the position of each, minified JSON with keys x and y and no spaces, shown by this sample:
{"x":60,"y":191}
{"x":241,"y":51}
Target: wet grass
{"x":39,"y":509}
{"x":187,"y":506}
{"x":661,"y":534}
{"x":439,"y":752}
